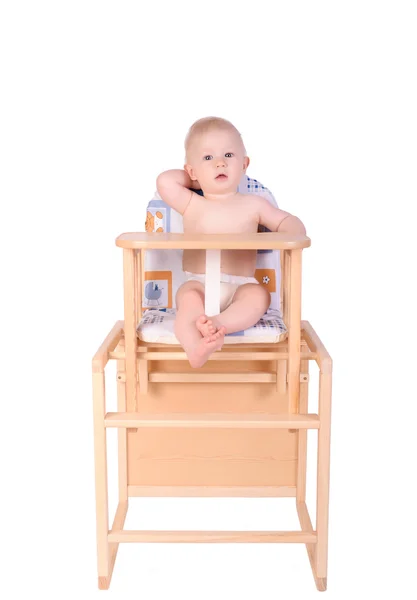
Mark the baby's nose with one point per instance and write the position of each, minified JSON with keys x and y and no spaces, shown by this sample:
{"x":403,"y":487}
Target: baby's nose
{"x":221,"y":161}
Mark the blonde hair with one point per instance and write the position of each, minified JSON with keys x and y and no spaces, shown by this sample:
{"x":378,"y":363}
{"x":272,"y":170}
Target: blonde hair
{"x":209,"y":124}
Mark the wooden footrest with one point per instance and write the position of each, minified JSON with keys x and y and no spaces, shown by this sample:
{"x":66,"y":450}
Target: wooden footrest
{"x":244,"y":377}
{"x":261,"y":537}
{"x":250,"y":421}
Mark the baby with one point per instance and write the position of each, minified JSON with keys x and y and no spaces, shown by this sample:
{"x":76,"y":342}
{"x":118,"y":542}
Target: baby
{"x":215,"y":162}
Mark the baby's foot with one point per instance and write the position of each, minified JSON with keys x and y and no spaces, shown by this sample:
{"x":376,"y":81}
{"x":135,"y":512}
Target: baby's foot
{"x":205,"y":326}
{"x":207,"y":345}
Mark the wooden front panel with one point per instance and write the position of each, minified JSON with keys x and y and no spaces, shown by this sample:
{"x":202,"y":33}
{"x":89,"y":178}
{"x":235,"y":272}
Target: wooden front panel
{"x":227,"y":457}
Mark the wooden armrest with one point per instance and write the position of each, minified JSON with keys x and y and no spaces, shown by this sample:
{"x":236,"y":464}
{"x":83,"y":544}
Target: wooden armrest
{"x":316,"y":345}
{"x":101,"y":357}
{"x":224,"y":241}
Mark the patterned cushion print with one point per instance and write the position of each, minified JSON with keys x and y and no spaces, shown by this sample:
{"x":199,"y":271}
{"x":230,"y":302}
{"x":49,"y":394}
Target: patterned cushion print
{"x":163,"y":275}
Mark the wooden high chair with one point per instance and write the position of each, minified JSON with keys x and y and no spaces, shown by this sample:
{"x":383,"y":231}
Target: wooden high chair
{"x":179,"y":428}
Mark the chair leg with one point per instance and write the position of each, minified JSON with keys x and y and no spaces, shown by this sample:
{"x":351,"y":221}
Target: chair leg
{"x":122,"y":436}
{"x":323,"y":473}
{"x":100,"y":457}
{"x":302,"y":439}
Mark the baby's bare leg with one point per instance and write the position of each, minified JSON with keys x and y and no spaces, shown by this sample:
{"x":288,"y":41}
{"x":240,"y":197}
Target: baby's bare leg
{"x":190,"y":306}
{"x":250,"y":302}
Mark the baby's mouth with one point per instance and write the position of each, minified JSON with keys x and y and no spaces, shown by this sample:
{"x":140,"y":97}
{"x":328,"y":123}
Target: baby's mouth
{"x":221,"y":176}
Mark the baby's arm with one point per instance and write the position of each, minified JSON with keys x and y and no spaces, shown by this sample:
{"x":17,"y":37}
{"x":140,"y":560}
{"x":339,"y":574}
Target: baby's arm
{"x":173,"y":187}
{"x":276,"y":219}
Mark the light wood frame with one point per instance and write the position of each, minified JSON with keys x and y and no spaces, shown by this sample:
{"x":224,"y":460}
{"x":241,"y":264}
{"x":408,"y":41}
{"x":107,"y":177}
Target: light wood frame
{"x":156,"y":399}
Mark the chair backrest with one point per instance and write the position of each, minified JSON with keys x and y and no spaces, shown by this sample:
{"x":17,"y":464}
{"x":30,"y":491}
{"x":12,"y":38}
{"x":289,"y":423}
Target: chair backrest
{"x":162,"y":269}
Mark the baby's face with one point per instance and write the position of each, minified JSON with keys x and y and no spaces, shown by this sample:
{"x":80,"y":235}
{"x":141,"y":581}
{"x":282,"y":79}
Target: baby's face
{"x":217,"y":160}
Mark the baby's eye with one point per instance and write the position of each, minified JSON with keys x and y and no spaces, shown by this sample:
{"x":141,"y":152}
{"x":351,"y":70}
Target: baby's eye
{"x":208,"y":157}
{"x":229,"y":154}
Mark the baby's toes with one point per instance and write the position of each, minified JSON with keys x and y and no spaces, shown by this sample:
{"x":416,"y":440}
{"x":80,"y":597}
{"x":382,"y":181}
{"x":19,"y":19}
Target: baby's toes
{"x":210,"y":338}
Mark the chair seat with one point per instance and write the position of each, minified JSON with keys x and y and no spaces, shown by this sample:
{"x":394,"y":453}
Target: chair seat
{"x":157,"y":326}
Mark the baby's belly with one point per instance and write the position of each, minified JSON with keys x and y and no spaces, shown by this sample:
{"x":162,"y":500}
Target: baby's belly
{"x":233,"y":262}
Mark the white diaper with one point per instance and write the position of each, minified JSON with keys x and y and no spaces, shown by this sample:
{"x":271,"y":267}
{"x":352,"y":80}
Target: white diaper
{"x":228,"y":285}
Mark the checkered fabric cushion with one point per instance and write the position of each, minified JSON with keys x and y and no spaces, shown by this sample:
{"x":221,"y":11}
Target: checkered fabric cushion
{"x":157,"y":326}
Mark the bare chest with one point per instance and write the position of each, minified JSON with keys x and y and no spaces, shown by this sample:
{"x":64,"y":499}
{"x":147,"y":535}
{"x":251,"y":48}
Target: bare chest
{"x":207,"y":216}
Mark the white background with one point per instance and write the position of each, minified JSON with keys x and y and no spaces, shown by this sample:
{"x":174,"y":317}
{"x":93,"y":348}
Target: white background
{"x":96,"y":99}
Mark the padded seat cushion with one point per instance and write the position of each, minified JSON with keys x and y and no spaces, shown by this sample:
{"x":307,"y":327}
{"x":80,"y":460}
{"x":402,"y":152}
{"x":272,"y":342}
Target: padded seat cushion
{"x":157,"y":326}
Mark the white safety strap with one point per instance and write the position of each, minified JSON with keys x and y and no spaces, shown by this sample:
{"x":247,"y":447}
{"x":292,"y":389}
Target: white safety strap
{"x":212,"y":303}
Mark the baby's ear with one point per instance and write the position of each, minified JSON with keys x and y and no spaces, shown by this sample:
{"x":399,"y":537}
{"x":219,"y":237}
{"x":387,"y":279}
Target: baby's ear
{"x":246,"y":161}
{"x":190,"y":172}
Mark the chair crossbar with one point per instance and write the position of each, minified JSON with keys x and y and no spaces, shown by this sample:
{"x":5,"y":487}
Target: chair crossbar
{"x":237,"y":377}
{"x":250,"y":421}
{"x":260,"y":537}
{"x":223,"y":355}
